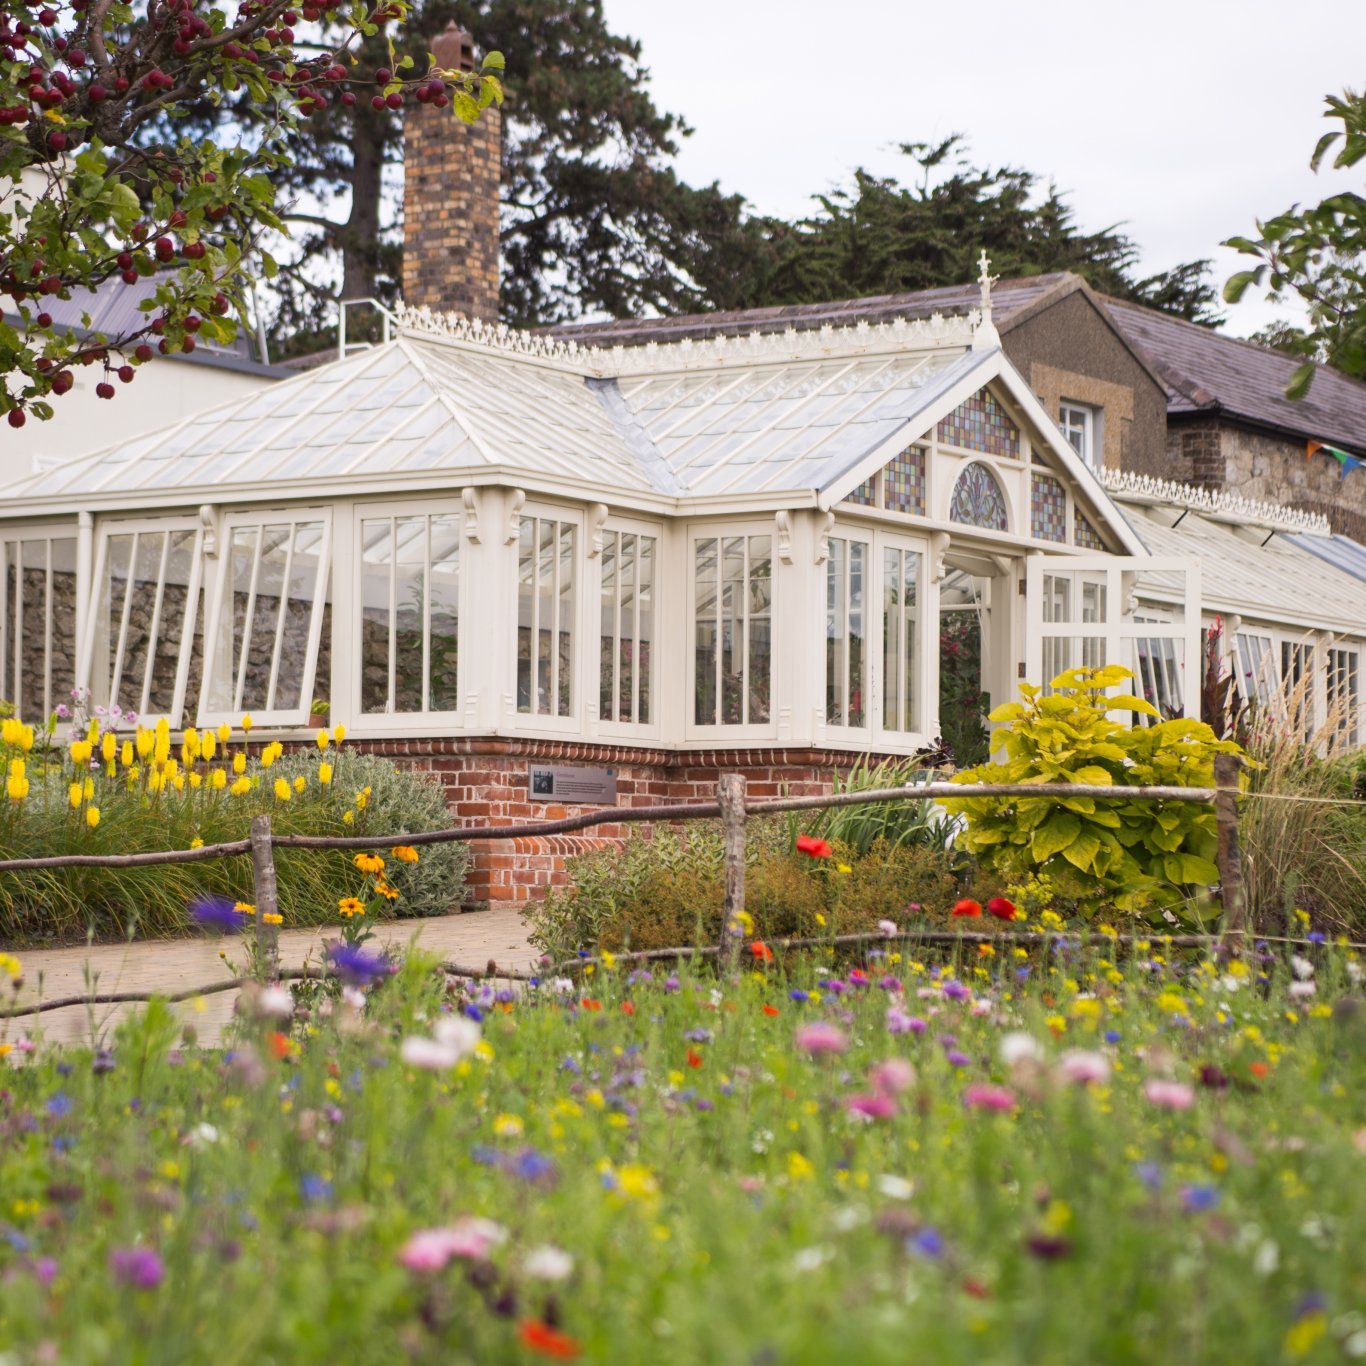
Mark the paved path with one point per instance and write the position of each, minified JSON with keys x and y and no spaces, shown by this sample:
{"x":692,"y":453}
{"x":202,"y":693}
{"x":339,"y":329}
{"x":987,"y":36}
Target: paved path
{"x":472,"y":940}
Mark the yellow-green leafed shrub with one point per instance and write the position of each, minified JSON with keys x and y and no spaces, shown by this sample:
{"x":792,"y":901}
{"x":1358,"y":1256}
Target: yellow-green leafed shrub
{"x":1135,"y":855}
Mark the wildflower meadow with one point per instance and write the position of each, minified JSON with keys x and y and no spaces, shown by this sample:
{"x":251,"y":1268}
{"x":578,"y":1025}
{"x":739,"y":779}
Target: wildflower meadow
{"x":1049,"y":1151}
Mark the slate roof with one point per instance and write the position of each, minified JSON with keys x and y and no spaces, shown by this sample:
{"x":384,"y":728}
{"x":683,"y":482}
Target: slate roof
{"x":1210,"y":372}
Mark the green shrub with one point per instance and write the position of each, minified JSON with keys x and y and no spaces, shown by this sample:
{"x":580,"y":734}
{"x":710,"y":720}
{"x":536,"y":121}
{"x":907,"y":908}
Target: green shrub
{"x":667,"y":891}
{"x":71,"y":903}
{"x":1137,"y":856}
{"x":893,"y":822}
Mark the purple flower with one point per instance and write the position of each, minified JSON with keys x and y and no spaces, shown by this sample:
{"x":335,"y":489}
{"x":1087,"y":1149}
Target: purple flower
{"x":929,"y":1242}
{"x":671,"y":984}
{"x":798,"y":995}
{"x":353,"y":964}
{"x":217,"y":913}
{"x":138,"y":1267}
{"x":315,"y":1188}
{"x":698,"y":1036}
{"x":1195,"y":1199}
{"x":956,"y":991}
{"x":956,"y":1057}
{"x":898,"y":1022}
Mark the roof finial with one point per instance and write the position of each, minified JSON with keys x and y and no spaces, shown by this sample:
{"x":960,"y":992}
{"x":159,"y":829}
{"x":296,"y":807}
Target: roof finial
{"x":986,"y":336}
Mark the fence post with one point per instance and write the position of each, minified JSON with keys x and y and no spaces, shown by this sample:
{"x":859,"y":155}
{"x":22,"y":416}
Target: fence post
{"x":267,"y":896}
{"x":730,"y":792}
{"x":1228,"y":855}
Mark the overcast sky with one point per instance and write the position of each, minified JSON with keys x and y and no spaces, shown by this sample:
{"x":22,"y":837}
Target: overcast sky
{"x":1183,"y":121}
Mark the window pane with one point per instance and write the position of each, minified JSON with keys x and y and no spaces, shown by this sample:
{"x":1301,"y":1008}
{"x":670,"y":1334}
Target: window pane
{"x":546,"y":561}
{"x":607,"y":629}
{"x":900,"y":574}
{"x":546,"y":604}
{"x":645,"y":629}
{"x":626,"y":631}
{"x":564,"y":671}
{"x":705,"y":638}
{"x":836,"y":632}
{"x":169,"y":634}
{"x":291,"y":645}
{"x":443,"y":654}
{"x":376,"y":570}
{"x":732,"y":630}
{"x":526,"y":611}
{"x":410,"y":607}
{"x":760,"y":627}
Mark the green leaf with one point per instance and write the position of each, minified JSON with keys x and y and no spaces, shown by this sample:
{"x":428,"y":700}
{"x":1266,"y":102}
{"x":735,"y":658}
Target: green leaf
{"x":494,"y":61}
{"x":1239,"y":284}
{"x":1197,"y":869}
{"x":1301,"y":380}
{"x":1081,"y":853}
{"x":1054,"y":836}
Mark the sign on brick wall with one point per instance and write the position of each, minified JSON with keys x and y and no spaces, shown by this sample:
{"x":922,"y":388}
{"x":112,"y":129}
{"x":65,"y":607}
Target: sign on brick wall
{"x":587,"y":786}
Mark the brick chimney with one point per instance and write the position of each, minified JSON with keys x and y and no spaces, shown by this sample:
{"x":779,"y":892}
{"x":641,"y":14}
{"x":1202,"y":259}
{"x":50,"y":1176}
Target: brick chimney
{"x":451,"y":175}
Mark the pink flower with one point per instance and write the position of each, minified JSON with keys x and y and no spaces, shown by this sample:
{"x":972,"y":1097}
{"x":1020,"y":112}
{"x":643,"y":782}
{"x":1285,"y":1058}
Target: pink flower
{"x":981,"y":1096}
{"x":430,"y":1249}
{"x":818,"y":1037}
{"x":887,"y":927}
{"x":1084,"y":1067}
{"x":1170,"y":1095}
{"x":892,"y":1076}
{"x":875,"y":1105}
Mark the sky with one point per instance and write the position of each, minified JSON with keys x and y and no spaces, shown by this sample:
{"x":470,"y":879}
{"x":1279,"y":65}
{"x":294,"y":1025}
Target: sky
{"x":1184,"y":122}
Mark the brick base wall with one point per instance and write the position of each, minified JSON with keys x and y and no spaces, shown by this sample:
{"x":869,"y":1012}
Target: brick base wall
{"x":486,"y":783}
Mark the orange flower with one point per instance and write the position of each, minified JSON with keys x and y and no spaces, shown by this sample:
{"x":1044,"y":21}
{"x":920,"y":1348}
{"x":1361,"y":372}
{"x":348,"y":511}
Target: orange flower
{"x":771,"y":1010}
{"x":1258,"y":1069}
{"x":968,"y":908}
{"x":279,"y":1044}
{"x":761,"y":951}
{"x":812,"y":847}
{"x":628,"y":1007}
{"x":694,"y":1058}
{"x":588,"y":1003}
{"x":1001,"y":908}
{"x":548,"y":1341}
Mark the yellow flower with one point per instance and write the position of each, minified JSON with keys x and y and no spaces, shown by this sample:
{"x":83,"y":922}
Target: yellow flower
{"x":241,"y":787}
{"x":196,"y":779}
{"x":92,"y":816}
{"x":385,"y":890}
{"x":362,"y":799}
{"x":271,"y":918}
{"x":369,"y":863}
{"x":300,"y":783}
{"x":338,"y":734}
{"x":190,"y":747}
{"x":109,"y":747}
{"x":351,"y":905}
{"x":348,"y":817}
{"x":843,"y":868}
{"x":9,"y":730}
{"x":820,"y":920}
{"x":224,"y":733}
{"x":88,"y":787}
{"x":239,"y":764}
{"x":81,"y":750}
{"x":325,"y":773}
{"x":637,"y":1182}
{"x":247,"y":723}
{"x":508,"y":1126}
{"x":126,"y":754}
{"x":322,"y":739}
{"x":404,"y":853}
{"x":146,"y":742}
{"x":196,"y":843}
{"x":208,"y":744}
{"x":73,"y":794}
{"x":609,"y":960}
{"x":219,"y":778}
{"x":244,"y":908}
{"x":11,"y":966}
{"x":282,"y":791}
{"x":800,"y":1168}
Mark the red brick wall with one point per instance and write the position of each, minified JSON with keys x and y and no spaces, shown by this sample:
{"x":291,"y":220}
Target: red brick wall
{"x":486,"y":784}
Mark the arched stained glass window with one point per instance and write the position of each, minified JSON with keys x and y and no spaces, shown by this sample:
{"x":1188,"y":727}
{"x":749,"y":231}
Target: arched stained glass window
{"x":977,"y":499}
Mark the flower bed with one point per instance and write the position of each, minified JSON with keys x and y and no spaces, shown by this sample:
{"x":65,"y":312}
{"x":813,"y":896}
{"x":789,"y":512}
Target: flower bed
{"x":1034,"y":1155}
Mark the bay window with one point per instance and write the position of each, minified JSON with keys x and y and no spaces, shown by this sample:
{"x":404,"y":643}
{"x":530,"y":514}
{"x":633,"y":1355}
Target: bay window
{"x":733,"y":629}
{"x":627,"y":627}
{"x":38,"y":623}
{"x":547,"y":605}
{"x":409,"y":613}
{"x":268,"y":635}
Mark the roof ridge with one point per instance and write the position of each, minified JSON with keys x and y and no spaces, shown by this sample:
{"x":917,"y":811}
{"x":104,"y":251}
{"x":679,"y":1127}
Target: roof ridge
{"x":1146,"y":488}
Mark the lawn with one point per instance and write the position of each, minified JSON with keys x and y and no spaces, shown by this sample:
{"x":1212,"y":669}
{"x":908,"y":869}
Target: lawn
{"x":1043,"y":1155}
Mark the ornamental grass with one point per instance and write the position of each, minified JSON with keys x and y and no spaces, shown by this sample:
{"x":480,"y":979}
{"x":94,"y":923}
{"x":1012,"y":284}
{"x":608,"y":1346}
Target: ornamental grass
{"x":100,"y":790}
{"x":1055,"y":1155}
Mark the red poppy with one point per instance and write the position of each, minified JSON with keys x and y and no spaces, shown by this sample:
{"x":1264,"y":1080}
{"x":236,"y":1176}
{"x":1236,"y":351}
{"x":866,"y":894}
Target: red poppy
{"x":588,"y":1003}
{"x":812,"y":847}
{"x":628,"y":1007}
{"x":279,"y":1044}
{"x":976,"y":1289}
{"x":1258,"y":1069}
{"x":1001,"y":908}
{"x":968,"y":908}
{"x":761,"y":951}
{"x":548,"y":1341}
{"x":694,"y":1058}
{"x":771,"y":1010}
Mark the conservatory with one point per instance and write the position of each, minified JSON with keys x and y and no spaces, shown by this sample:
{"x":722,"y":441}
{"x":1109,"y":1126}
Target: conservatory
{"x":770,"y":542}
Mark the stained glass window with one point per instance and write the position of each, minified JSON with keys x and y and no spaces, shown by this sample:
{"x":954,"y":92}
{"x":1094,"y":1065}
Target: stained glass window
{"x":981,"y":424}
{"x":903,"y":482}
{"x":977,"y":499}
{"x":1084,"y":533}
{"x":866,"y":493}
{"x":1047,"y":509}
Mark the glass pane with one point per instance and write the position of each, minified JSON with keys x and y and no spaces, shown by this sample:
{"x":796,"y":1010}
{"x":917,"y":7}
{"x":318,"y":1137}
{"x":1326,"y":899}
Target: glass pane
{"x":293,"y":638}
{"x":10,"y":671}
{"x":377,"y":553}
{"x":705,"y":632}
{"x":892,"y":622}
{"x":546,"y":560}
{"x":526,"y":610}
{"x":564,"y":671}
{"x":130,"y":669}
{"x":222,"y":687}
{"x":607,"y":650}
{"x":61,"y":677}
{"x":168,"y":643}
{"x":732,"y":630}
{"x":626,"y":634}
{"x":836,"y":632}
{"x":443,"y":675}
{"x":261,"y":618}
{"x":760,"y":627}
{"x":410,"y":534}
{"x":30,"y":682}
{"x":646,"y":631}
{"x":857,"y":640}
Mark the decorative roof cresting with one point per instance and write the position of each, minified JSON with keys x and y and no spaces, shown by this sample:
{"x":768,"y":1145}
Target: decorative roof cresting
{"x":1127,"y":485}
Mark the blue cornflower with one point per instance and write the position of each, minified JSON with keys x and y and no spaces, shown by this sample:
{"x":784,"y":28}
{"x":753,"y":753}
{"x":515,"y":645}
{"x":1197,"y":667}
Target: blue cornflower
{"x":798,"y":995}
{"x":355,"y":965}
{"x":698,"y":1036}
{"x":217,"y":913}
{"x":1317,"y":937}
{"x":59,"y":1106}
{"x":315,"y":1188}
{"x":533,"y":1166}
{"x":1150,"y":1174}
{"x":1197,"y":1198}
{"x":929,"y":1242}
{"x":472,"y":1011}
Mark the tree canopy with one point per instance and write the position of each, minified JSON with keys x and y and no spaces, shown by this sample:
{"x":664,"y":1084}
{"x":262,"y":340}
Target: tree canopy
{"x":102,"y":182}
{"x":1317,"y":253}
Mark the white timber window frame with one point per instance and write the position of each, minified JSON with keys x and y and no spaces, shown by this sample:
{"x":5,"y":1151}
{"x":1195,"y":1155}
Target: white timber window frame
{"x":549,"y":684}
{"x":115,"y":676}
{"x":626,"y":656}
{"x":389,"y":541}
{"x":247,"y":538}
{"x":26,"y":551}
{"x":1343,"y":676}
{"x":1258,"y":670}
{"x":1080,"y":426}
{"x":718,"y":621}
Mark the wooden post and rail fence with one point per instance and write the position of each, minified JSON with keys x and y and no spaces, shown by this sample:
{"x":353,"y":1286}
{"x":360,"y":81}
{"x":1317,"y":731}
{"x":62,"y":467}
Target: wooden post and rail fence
{"x":733,"y":810}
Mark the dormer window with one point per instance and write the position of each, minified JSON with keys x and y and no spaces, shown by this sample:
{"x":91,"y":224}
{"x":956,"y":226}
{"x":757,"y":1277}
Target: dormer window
{"x":1079,"y":425}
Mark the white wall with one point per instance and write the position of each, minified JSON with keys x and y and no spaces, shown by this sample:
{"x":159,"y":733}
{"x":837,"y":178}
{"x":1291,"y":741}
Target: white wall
{"x":163,"y":392}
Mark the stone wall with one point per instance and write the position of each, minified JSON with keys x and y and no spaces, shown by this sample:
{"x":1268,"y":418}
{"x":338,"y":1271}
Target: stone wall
{"x":486,"y":783}
{"x":27,"y":689}
{"x":1268,"y":467}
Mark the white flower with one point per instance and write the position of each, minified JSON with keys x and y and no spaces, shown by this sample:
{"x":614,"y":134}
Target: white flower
{"x":1303,"y":967}
{"x":1268,"y":1258}
{"x":812,"y":1258}
{"x":887,"y":927}
{"x":1017,"y":1046}
{"x":203,"y":1133}
{"x":458,"y":1032}
{"x":428,"y":1054}
{"x":895,"y":1187}
{"x":548,"y":1263}
{"x":1302,"y":988}
{"x":275,"y":1002}
{"x":1230,"y":983}
{"x":1354,"y":969}
{"x":1084,"y":1067}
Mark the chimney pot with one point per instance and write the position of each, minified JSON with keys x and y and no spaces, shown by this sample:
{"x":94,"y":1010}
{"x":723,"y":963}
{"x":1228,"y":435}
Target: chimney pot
{"x":453,"y":48}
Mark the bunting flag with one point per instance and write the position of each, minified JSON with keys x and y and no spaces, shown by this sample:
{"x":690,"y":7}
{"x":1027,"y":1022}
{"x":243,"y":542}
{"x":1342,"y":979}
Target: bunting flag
{"x":1346,"y":463}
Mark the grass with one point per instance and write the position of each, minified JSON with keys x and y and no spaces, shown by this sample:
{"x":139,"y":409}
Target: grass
{"x":673,"y":1171}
